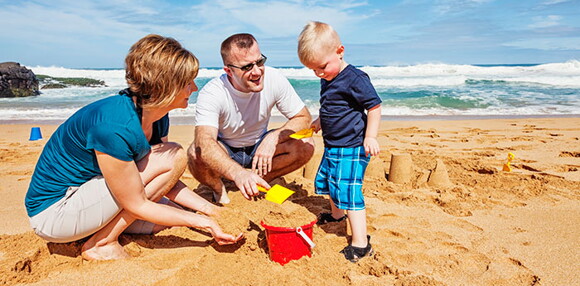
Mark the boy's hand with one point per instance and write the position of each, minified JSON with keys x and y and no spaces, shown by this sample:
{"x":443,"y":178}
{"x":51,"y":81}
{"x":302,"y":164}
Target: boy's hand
{"x":371,"y":146}
{"x":315,"y":125}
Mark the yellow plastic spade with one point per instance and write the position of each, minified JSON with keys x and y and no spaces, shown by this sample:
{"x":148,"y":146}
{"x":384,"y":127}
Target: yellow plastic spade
{"x":304,"y":133}
{"x":506,"y":166}
{"x":277,"y":193}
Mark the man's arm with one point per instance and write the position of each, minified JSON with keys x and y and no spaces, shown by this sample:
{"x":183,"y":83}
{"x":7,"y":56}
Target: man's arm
{"x":262,"y":162}
{"x":209,"y":150}
{"x":212,"y":154}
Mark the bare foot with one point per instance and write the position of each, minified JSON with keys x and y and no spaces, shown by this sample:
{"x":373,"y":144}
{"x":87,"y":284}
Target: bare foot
{"x":110,"y":251}
{"x":221,"y":197}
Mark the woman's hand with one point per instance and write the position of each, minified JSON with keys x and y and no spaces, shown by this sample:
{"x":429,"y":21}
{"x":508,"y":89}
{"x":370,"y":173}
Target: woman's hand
{"x":223,"y":238}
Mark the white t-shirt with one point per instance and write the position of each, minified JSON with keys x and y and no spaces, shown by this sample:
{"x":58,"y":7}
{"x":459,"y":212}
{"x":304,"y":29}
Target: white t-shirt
{"x":241,"y":118}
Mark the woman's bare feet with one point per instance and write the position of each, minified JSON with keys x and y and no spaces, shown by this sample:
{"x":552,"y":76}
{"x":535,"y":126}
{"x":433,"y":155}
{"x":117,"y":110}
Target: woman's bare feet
{"x":109,"y":251}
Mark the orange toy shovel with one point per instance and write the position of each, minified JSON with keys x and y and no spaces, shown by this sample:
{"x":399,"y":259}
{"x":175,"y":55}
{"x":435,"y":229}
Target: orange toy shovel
{"x":277,"y":193}
{"x":304,"y":133}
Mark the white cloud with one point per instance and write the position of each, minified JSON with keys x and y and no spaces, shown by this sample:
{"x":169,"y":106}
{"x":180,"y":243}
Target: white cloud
{"x":98,"y":33}
{"x":453,"y":6}
{"x":554,"y":2}
{"x":545,"y":21}
{"x":87,"y":26}
{"x":547,"y":44}
{"x":278,"y":18}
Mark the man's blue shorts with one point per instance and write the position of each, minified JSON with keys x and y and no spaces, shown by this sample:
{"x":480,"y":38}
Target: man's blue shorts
{"x":341,"y":174}
{"x":243,"y":155}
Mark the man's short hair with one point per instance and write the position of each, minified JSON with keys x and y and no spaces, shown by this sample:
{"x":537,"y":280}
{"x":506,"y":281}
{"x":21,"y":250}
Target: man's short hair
{"x":315,"y":39}
{"x":241,"y":41}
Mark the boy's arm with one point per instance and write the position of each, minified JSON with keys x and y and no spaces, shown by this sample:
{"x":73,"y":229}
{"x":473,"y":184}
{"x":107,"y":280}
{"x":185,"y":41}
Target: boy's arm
{"x":373,"y":120}
{"x":315,"y":125}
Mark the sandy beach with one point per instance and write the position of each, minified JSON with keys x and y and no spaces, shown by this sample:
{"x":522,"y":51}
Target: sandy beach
{"x":458,"y":219}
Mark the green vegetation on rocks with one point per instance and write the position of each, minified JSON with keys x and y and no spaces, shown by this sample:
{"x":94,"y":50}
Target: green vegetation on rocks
{"x":62,"y":82}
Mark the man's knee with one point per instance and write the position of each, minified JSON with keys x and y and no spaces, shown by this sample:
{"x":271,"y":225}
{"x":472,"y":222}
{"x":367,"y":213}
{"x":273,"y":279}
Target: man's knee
{"x":308,"y":150}
{"x":303,"y":149}
{"x":309,"y":147}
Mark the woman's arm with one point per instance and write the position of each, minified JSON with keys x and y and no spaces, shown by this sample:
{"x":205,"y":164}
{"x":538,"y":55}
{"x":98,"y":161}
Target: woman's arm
{"x":124,"y":182}
{"x":184,"y":196}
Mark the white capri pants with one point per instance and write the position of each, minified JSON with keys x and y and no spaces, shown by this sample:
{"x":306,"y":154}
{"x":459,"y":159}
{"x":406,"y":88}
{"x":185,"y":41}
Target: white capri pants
{"x":81,"y":212}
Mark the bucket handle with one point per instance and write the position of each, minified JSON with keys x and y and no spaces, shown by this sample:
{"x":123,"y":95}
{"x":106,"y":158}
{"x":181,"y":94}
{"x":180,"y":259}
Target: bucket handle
{"x":305,"y":237}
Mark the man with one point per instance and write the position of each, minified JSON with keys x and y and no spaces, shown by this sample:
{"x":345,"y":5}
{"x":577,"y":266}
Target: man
{"x":232,"y":115}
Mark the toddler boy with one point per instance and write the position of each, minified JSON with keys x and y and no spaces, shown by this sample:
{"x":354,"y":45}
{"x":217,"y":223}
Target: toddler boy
{"x":349,"y":134}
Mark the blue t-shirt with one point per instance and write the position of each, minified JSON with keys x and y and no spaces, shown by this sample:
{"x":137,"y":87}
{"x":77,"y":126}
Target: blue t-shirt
{"x":343,"y":102}
{"x":110,"y":125}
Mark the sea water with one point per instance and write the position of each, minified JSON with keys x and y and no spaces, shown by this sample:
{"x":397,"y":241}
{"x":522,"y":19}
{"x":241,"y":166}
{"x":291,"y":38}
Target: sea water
{"x":414,"y":91}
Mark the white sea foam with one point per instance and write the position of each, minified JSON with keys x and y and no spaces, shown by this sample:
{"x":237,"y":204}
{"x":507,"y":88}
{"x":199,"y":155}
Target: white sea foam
{"x":112,"y":77}
{"x":558,"y":74}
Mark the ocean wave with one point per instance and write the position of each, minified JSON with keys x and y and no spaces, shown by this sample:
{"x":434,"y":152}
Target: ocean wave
{"x":557,"y":74}
{"x":426,"y":89}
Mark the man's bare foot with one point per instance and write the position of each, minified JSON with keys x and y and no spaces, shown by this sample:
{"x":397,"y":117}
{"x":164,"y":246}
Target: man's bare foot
{"x":222,"y":197}
{"x":110,"y":251}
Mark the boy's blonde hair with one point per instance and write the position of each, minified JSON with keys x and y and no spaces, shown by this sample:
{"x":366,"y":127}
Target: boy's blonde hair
{"x":157,"y":68}
{"x":316,"y":38}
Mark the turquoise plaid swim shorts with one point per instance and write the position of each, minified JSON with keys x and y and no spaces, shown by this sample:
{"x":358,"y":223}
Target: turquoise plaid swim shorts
{"x":341,"y":174}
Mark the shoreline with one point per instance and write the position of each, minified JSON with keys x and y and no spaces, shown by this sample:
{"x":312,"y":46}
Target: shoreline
{"x":279,"y":119}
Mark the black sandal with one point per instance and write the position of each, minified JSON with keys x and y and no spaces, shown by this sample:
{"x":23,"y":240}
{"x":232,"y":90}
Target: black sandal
{"x":353,"y":254}
{"x":327,"y":217}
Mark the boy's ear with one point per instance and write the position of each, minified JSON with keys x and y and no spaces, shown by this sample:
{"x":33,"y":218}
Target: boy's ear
{"x":340,"y":50}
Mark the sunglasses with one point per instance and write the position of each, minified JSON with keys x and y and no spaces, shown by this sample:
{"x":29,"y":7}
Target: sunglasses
{"x":250,"y":66}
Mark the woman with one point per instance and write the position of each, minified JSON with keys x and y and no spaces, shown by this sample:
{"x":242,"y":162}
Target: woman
{"x":110,"y":163}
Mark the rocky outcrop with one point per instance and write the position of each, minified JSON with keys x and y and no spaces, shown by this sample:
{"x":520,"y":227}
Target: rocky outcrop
{"x":17,"y":81}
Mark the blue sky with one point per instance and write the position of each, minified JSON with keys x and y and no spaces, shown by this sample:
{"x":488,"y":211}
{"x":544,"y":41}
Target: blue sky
{"x":97,"y":34}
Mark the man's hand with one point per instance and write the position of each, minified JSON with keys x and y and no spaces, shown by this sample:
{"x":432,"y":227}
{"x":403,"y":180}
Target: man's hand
{"x":262,"y":161}
{"x":247,"y":182}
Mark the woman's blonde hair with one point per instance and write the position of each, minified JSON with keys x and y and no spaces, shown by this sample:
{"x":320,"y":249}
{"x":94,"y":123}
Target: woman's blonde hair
{"x":316,"y":38}
{"x":157,"y":68}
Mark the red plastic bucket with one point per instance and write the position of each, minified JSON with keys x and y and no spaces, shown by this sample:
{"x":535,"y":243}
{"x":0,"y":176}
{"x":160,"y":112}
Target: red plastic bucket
{"x":289,"y":243}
